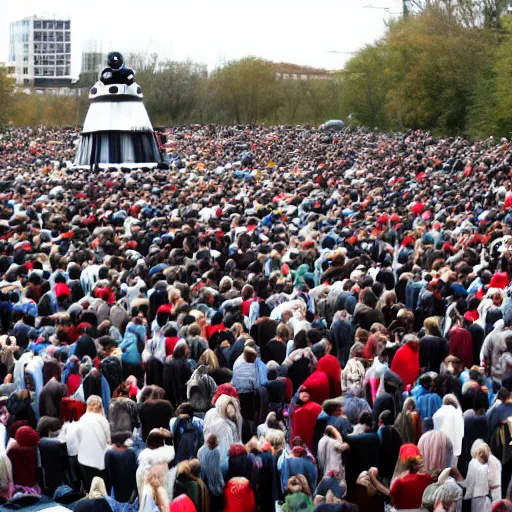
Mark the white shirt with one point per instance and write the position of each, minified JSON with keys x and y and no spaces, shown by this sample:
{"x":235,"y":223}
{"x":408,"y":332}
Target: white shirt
{"x":449,"y":420}
{"x":93,"y":435}
{"x":68,"y":436}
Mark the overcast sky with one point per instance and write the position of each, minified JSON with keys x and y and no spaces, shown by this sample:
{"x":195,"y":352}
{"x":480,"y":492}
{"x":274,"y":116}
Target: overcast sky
{"x":215,"y":31}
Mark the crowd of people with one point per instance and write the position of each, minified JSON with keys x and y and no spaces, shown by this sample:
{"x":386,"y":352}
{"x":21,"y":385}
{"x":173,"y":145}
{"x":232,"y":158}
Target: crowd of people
{"x":283,"y":319}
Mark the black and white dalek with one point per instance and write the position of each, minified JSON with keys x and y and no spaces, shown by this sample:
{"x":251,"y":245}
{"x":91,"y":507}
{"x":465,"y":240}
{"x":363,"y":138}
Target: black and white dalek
{"x":117,"y":131}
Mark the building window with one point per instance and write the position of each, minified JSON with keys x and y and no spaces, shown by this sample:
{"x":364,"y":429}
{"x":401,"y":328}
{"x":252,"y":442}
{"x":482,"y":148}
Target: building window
{"x":25,"y":71}
{"x":37,"y":24}
{"x":60,"y":71}
{"x":67,"y":25}
{"x":68,"y":48}
{"x":59,"y":25}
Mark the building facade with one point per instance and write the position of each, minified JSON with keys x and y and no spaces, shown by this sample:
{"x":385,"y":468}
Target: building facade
{"x":93,"y":62}
{"x":41,"y":51}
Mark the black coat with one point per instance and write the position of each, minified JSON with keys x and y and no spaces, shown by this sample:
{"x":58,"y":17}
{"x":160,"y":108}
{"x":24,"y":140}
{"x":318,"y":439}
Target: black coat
{"x":432,"y":352}
{"x":176,"y":375}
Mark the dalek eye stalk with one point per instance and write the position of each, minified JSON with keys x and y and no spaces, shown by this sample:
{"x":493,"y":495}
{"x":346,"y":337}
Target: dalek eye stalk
{"x":117,"y":131}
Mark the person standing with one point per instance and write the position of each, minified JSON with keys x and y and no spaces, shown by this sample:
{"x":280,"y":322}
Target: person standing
{"x":93,"y":436}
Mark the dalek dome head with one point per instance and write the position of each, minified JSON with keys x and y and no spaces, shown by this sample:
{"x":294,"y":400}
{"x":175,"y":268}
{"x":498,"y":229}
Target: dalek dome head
{"x":115,"y":79}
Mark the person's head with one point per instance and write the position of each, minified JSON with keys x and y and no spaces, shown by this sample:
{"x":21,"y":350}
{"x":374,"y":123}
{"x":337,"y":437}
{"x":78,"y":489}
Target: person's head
{"x":431,"y":326}
{"x":94,"y":404}
{"x":413,"y":464}
{"x":276,"y":439}
{"x":119,"y":438}
{"x":333,"y":407}
{"x":283,"y":333}
{"x":406,"y":317}
{"x":250,"y":355}
{"x":385,"y":419}
{"x":368,"y":298}
{"x":181,"y":350}
{"x":304,"y":395}
{"x":366,"y":419}
{"x":286,"y":315}
{"x":157,"y":438}
{"x":208,"y":358}
{"x":411,"y":339}
{"x":47,"y":425}
{"x":451,"y":399}
{"x":194,"y":330}
{"x":152,"y":392}
{"x":480,"y":451}
{"x":231,"y":412}
{"x":300,"y":340}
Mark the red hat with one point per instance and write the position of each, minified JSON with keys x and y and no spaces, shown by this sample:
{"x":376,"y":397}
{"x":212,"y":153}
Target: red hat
{"x":82,"y":326}
{"x":395,"y":218}
{"x":417,"y":208}
{"x":471,"y":316}
{"x":408,"y":451}
{"x":164,"y":308}
{"x":499,"y":280}
{"x":408,"y":240}
{"x":61,"y":290}
{"x":448,"y":247}
{"x":67,"y":235}
{"x":225,"y":389}
{"x":383,"y":219}
{"x":236,"y":449}
{"x":308,"y":244}
{"x":132,"y":244}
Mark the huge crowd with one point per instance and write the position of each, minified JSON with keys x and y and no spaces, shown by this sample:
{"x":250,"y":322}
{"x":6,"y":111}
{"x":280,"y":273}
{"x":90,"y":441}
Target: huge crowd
{"x":283,"y":319}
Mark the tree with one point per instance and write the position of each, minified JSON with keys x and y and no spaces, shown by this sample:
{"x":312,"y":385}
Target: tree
{"x":6,"y":92}
{"x":492,"y":112}
{"x":246,"y":90}
{"x":171,"y":90}
{"x":471,"y":13}
{"x":364,"y":86}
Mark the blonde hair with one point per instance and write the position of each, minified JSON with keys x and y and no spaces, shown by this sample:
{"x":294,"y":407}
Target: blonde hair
{"x":94,"y":404}
{"x":478,"y":447}
{"x":208,"y":358}
{"x":275,"y":438}
{"x":431,"y":325}
{"x":284,"y":332}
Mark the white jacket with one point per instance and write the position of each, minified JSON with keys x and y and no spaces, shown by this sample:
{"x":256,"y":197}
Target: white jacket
{"x":93,"y":435}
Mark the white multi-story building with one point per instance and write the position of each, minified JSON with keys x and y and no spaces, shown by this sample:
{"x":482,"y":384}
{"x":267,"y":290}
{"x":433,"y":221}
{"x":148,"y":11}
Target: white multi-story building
{"x":41,"y":51}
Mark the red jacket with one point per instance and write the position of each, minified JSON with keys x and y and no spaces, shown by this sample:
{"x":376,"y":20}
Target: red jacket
{"x":407,"y":491}
{"x":332,"y":368}
{"x":406,"y":363}
{"x":303,"y":421}
{"x":461,"y":345}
